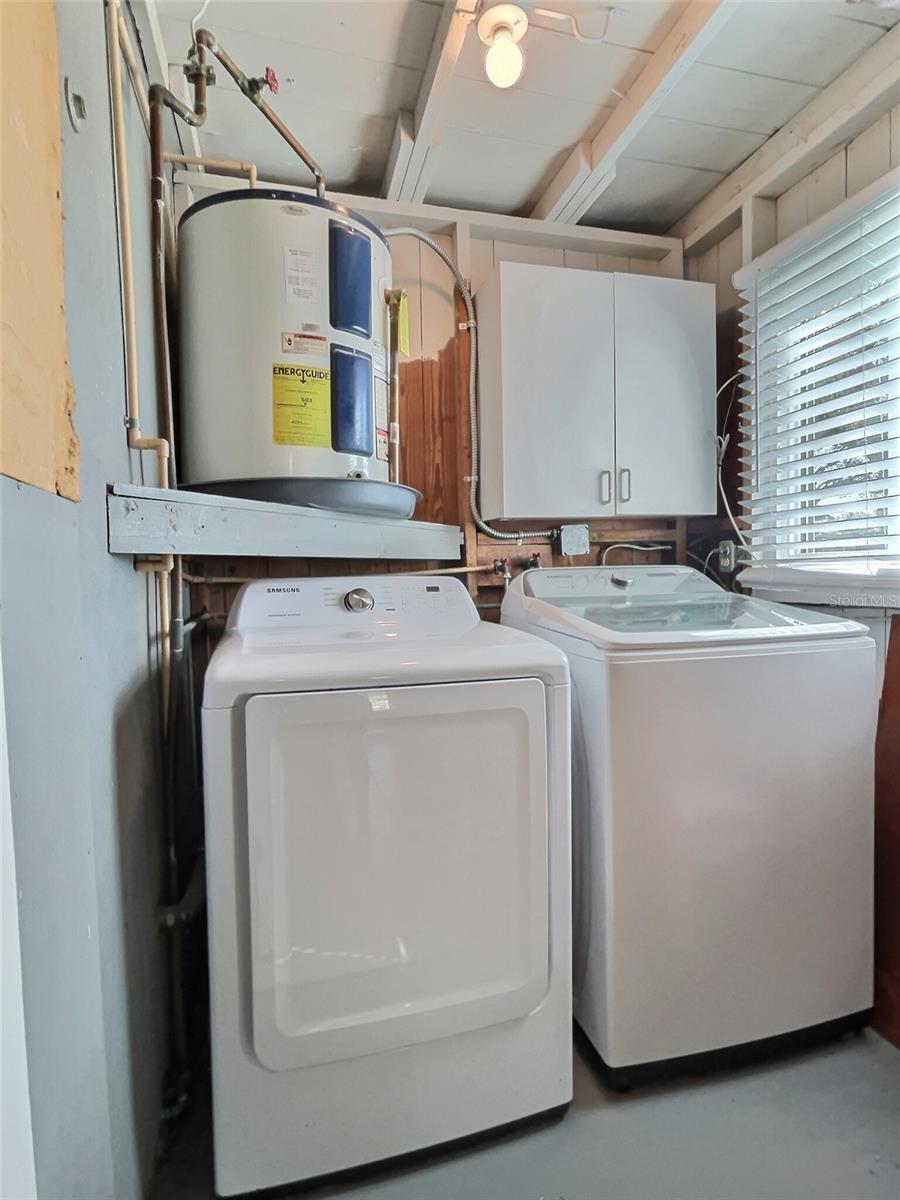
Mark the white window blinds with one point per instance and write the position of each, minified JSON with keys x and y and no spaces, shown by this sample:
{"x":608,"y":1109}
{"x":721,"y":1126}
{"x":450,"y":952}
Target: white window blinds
{"x":821,"y":432}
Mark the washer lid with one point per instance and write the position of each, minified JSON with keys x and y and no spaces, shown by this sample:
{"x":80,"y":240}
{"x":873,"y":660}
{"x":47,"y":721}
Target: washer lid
{"x":642,"y":607}
{"x":287,"y":635}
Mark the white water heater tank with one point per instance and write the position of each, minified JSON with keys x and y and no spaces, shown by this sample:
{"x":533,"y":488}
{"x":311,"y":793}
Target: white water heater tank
{"x":284,"y":360}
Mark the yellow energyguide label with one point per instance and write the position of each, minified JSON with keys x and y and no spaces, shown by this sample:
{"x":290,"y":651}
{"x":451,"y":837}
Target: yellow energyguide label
{"x":301,"y":405}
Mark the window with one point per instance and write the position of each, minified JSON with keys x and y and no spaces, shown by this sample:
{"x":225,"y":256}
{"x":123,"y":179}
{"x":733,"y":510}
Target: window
{"x":821,"y":435}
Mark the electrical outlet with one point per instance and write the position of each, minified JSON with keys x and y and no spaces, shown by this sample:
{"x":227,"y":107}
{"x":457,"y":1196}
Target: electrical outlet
{"x":574,"y":539}
{"x":727,"y":557}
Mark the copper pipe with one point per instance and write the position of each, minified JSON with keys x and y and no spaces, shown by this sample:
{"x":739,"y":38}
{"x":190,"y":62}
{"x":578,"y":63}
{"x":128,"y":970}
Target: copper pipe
{"x":140,"y":92}
{"x":251,"y":88}
{"x":160,"y":317}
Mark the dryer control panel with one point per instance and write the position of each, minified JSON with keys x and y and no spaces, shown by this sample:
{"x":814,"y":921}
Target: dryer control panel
{"x":355,"y":603}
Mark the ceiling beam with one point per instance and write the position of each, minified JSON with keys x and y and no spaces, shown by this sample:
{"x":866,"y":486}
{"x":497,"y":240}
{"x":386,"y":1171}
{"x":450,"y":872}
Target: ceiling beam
{"x":417,"y":135}
{"x":868,"y":89}
{"x":591,"y":167}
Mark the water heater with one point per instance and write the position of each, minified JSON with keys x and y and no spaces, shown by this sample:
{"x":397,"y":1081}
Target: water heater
{"x":284,"y":352}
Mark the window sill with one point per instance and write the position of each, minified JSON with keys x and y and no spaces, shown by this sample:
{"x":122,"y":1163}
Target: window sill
{"x":839,"y":585}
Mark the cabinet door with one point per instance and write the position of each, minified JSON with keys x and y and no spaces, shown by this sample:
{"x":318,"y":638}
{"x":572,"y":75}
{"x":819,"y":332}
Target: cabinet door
{"x":547,"y":388}
{"x":665,"y":397}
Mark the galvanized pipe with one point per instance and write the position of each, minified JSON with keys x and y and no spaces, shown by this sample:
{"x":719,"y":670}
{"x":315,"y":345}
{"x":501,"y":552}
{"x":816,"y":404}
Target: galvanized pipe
{"x":251,"y":88}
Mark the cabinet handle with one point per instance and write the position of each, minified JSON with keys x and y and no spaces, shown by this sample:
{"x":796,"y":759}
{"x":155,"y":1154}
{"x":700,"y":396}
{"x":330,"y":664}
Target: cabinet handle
{"x":605,"y":487}
{"x":625,"y":484}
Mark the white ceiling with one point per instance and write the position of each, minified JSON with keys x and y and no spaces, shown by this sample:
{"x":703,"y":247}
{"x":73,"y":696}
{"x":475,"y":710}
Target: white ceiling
{"x":347,"y":67}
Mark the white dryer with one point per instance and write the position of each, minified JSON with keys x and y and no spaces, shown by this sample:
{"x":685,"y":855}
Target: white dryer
{"x":387,"y":843}
{"x":723,"y":809}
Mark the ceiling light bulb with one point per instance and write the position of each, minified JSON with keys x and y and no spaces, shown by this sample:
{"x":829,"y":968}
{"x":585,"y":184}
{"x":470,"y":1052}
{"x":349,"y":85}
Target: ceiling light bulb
{"x":504,"y":60}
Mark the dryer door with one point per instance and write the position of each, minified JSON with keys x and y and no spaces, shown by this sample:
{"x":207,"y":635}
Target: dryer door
{"x":398,"y":847}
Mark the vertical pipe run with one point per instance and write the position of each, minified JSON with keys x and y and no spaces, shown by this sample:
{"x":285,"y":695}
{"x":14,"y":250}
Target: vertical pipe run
{"x":136,"y":440}
{"x":394,"y":398}
{"x":160,"y":317}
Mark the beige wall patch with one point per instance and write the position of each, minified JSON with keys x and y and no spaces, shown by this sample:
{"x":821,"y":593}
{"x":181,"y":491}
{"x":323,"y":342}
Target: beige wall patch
{"x":38,"y":443}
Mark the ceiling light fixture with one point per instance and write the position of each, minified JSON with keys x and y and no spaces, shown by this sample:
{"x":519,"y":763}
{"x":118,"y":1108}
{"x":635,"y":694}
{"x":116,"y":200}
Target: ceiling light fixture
{"x":501,"y":28}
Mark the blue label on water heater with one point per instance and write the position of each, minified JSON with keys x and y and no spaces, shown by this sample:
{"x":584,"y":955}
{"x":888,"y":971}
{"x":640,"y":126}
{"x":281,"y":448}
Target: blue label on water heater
{"x":350,"y":279}
{"x":352,"y":402}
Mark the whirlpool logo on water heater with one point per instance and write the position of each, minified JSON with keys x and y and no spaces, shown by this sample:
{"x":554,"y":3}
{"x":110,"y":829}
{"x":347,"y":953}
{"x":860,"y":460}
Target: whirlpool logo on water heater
{"x":303,"y":374}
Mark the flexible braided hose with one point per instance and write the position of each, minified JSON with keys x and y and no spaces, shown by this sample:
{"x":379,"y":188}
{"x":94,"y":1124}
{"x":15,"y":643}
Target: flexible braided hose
{"x":517,"y":535}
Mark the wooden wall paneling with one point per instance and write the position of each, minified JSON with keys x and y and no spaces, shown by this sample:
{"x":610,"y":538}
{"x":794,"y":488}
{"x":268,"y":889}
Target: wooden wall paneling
{"x":727,"y":262}
{"x":827,"y":186}
{"x":869,"y":155}
{"x":643,"y":266}
{"x":708,"y":265}
{"x":481,"y":257}
{"x":759,"y":232}
{"x":407,"y":274}
{"x":886,"y":1015}
{"x":611,"y":262}
{"x":441,"y":392}
{"x":549,"y":256}
{"x":581,"y":260}
{"x":792,"y":209}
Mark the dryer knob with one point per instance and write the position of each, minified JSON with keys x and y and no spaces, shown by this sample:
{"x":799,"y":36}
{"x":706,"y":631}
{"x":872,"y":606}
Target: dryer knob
{"x":359,"y":600}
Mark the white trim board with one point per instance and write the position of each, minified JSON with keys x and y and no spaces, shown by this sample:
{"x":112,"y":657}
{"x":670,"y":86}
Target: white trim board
{"x":467,"y":226}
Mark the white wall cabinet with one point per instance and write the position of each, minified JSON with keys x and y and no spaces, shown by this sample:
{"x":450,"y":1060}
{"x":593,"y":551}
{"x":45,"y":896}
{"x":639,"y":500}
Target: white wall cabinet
{"x":597,"y":394}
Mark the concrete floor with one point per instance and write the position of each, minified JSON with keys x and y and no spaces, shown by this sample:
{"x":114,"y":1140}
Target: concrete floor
{"x":823,"y":1125}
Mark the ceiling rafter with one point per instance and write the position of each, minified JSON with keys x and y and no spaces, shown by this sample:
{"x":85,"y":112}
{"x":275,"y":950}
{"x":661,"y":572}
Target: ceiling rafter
{"x":417,"y":134}
{"x":591,"y":166}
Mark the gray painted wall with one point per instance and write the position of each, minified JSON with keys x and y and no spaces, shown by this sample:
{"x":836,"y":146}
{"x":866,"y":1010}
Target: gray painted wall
{"x":78,"y":630}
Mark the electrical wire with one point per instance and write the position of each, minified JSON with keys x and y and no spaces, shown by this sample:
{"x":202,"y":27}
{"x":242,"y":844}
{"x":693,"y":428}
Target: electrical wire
{"x":576,"y":33}
{"x":518,"y":535}
{"x":722,"y":440}
{"x":704,"y":562}
{"x":202,"y":9}
{"x":585,"y":39}
{"x":630,"y":546}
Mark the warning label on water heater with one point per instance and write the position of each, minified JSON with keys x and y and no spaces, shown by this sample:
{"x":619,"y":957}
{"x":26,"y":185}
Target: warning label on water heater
{"x":301,"y":405}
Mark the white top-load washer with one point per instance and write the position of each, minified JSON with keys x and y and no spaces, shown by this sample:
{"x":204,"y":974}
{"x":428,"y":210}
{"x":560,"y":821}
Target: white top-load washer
{"x":388,"y":861}
{"x":723,"y":810}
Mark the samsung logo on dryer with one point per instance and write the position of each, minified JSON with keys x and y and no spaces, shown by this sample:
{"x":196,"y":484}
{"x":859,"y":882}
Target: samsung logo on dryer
{"x":283,"y":589}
